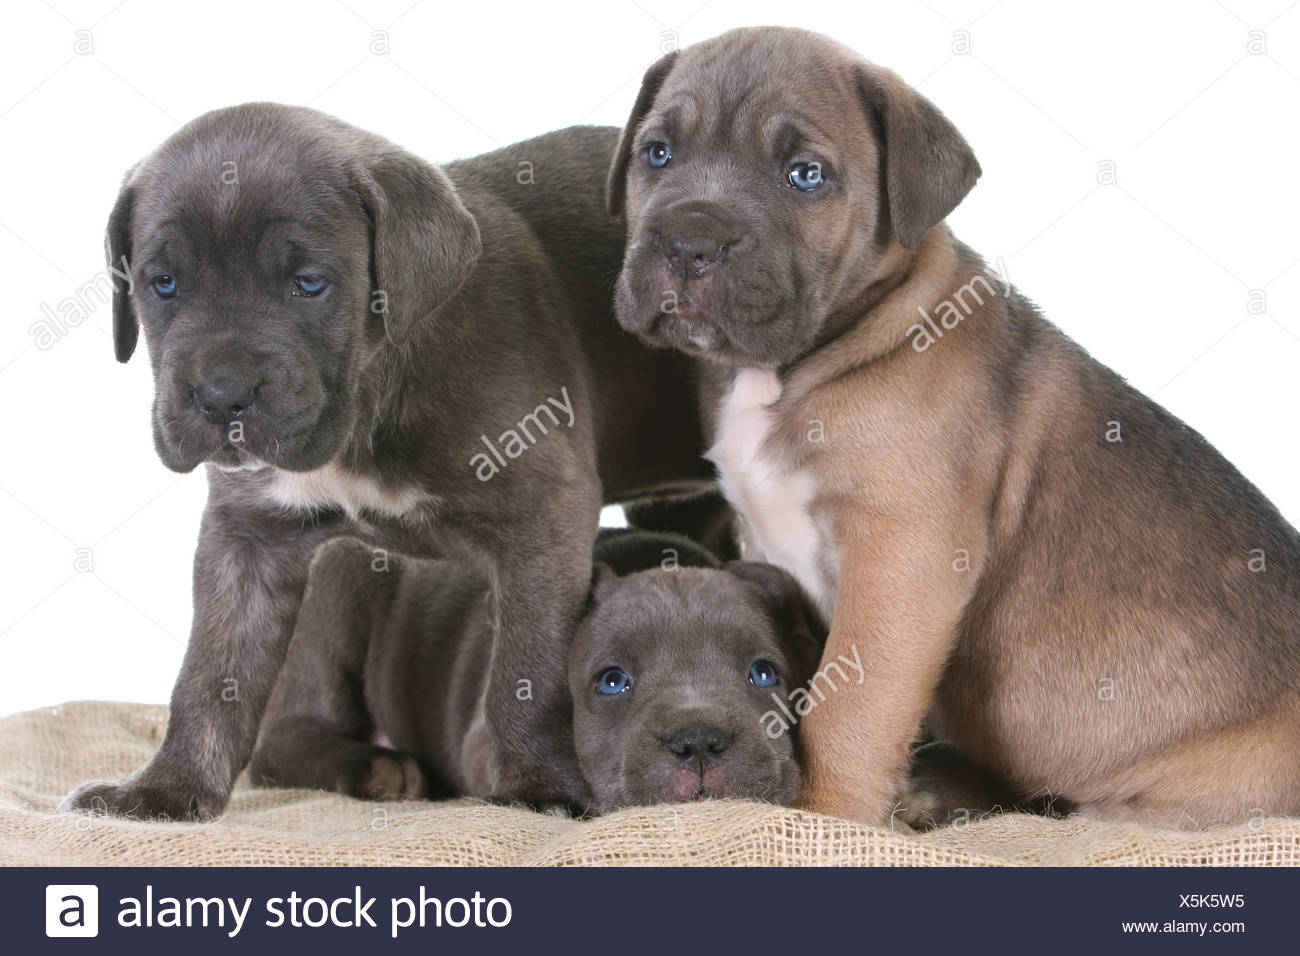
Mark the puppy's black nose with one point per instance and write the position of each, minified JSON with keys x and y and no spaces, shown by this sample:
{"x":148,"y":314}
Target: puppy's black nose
{"x":695,"y":253}
{"x":699,"y":742}
{"x":223,"y":401}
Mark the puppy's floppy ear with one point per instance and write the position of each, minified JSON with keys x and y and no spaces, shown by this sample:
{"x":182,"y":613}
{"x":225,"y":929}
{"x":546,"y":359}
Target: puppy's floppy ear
{"x":603,"y":579}
{"x":117,"y":249}
{"x":800,"y":624}
{"x":616,"y":187}
{"x":424,"y":242}
{"x":929,"y":166}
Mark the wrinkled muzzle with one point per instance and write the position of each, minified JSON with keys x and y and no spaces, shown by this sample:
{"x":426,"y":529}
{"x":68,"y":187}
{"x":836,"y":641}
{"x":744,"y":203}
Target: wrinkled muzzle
{"x":240,"y":406}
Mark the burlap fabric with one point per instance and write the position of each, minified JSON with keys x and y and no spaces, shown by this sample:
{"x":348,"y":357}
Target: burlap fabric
{"x":44,"y":753}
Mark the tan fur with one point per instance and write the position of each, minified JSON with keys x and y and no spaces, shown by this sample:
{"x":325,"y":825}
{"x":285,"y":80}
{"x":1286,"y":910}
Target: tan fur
{"x":1077,"y":615}
{"x":900,"y":505}
{"x":913,"y":475}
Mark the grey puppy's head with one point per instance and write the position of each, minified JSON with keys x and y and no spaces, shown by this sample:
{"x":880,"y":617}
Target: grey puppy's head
{"x":672,"y":673}
{"x":271,"y":251}
{"x":766,"y":174}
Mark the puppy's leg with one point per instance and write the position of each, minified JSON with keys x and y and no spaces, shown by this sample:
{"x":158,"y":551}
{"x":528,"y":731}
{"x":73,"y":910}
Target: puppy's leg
{"x":539,"y":599}
{"x":316,"y":730}
{"x":898,"y":608}
{"x":1218,"y":778}
{"x":539,"y":564}
{"x":313,"y":754}
{"x":249,"y":574}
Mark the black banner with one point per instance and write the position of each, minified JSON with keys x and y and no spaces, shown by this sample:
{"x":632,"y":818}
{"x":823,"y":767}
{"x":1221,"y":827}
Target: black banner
{"x":627,"y":911}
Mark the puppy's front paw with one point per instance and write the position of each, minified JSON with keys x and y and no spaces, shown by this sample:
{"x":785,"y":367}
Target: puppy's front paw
{"x":142,"y":800}
{"x":391,"y":775}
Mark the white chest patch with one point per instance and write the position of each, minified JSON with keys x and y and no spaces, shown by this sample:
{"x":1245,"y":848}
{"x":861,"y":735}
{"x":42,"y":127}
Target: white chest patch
{"x":332,"y":487}
{"x":775,"y":502}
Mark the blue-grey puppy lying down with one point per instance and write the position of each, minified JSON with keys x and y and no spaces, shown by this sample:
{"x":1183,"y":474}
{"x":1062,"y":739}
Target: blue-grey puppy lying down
{"x":671,"y":671}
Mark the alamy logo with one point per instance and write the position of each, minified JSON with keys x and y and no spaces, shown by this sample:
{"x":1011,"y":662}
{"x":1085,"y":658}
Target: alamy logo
{"x":71,"y":909}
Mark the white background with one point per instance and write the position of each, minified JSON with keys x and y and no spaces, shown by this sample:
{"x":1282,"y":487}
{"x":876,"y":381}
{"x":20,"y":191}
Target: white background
{"x":1153,"y":273}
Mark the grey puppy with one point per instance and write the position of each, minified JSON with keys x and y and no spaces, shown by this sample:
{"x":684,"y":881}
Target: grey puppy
{"x":384,"y":690}
{"x":358,"y":343}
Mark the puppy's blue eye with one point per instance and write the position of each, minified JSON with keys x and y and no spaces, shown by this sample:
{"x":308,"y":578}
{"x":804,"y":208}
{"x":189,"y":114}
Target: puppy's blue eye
{"x":613,"y":681}
{"x":806,"y":176}
{"x":308,"y":285}
{"x":763,"y":674}
{"x":165,"y":286}
{"x":659,"y":155}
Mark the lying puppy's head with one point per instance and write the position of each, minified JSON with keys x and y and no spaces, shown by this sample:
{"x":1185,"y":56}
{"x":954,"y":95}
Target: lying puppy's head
{"x":672,"y":673}
{"x":767,"y":174}
{"x":270,"y":251}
